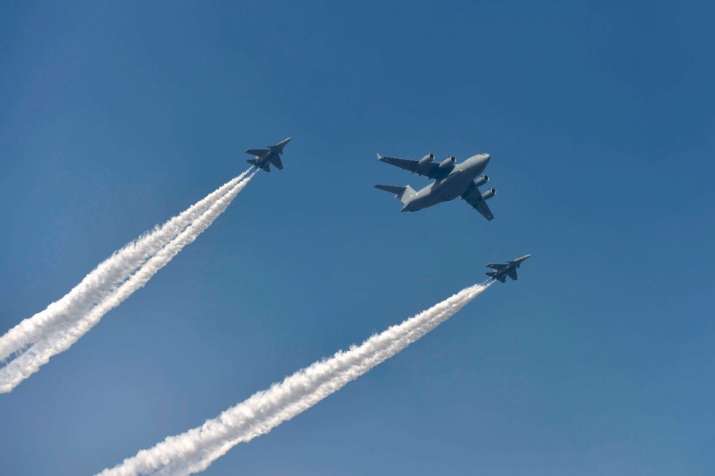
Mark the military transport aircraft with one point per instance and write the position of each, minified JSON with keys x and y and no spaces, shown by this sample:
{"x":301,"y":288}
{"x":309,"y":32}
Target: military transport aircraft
{"x":264,"y":158}
{"x":501,"y":271}
{"x":450,"y":181}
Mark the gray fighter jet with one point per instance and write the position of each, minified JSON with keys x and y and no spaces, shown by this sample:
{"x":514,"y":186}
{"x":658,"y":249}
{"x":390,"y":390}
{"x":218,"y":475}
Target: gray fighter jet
{"x":502,"y":270}
{"x":264,"y":158}
{"x":450,"y":181}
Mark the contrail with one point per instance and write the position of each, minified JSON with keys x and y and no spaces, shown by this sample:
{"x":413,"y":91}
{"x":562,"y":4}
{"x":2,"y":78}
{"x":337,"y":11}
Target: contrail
{"x":61,"y":332}
{"x":105,"y":277}
{"x":193,"y":451}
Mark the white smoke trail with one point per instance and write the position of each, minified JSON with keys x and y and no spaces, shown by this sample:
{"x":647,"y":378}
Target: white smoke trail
{"x":105,"y":278}
{"x":194,"y":450}
{"x":63,"y":336}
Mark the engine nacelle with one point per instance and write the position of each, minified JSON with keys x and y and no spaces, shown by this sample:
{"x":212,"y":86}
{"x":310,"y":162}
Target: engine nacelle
{"x":426,"y":159}
{"x":481,"y":180}
{"x":489,"y":194}
{"x":447,"y":164}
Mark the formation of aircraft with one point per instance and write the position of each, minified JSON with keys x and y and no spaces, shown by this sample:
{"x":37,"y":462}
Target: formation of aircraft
{"x":451,"y":180}
{"x":264,"y":158}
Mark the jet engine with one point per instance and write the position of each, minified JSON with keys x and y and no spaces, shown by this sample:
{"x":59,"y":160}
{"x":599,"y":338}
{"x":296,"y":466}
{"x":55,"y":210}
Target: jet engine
{"x":481,"y":180}
{"x":489,"y":194}
{"x":447,"y":164}
{"x":426,"y":159}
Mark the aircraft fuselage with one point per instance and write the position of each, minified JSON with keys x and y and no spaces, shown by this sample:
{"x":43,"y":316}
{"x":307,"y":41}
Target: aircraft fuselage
{"x":450,"y":187}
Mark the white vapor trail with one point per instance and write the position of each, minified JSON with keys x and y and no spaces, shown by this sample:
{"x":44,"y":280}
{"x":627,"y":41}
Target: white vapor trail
{"x":54,"y":330}
{"x":193,"y":451}
{"x":105,"y":277}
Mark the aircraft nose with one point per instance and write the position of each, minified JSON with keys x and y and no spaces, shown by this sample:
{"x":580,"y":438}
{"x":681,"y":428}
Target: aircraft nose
{"x":486,"y":158}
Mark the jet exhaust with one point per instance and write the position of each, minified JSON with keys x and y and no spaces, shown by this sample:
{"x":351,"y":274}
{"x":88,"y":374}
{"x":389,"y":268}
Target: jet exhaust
{"x":30,"y":344}
{"x":194,"y":451}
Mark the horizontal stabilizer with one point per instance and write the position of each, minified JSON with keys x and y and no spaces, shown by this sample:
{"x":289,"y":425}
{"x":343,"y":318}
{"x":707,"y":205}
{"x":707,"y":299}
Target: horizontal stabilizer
{"x":499,"y":277}
{"x":397,"y":190}
{"x":403,"y":193}
{"x":261,"y":165}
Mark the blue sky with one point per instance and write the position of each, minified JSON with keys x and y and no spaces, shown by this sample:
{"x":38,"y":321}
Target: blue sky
{"x":598,"y":115}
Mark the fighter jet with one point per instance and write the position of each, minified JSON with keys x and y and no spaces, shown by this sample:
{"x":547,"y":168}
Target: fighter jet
{"x":264,"y":158}
{"x":450,"y":181}
{"x":501,"y":271}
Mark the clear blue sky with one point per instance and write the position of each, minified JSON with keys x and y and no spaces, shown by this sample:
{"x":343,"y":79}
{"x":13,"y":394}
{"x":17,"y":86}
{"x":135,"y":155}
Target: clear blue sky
{"x":114,"y":116}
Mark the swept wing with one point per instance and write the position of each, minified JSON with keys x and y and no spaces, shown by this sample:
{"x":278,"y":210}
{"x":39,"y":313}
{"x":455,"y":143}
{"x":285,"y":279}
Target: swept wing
{"x":479,"y":201}
{"x":420,"y":167}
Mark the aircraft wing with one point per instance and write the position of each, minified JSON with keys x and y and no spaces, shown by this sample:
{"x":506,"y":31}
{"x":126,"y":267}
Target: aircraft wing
{"x":429,"y":169}
{"x":512,"y":274}
{"x":496,"y":266}
{"x":474,"y":197}
{"x":257,"y":152}
{"x":276,"y":160}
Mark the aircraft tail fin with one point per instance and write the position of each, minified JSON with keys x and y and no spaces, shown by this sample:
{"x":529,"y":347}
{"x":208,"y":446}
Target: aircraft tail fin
{"x":403,"y":193}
